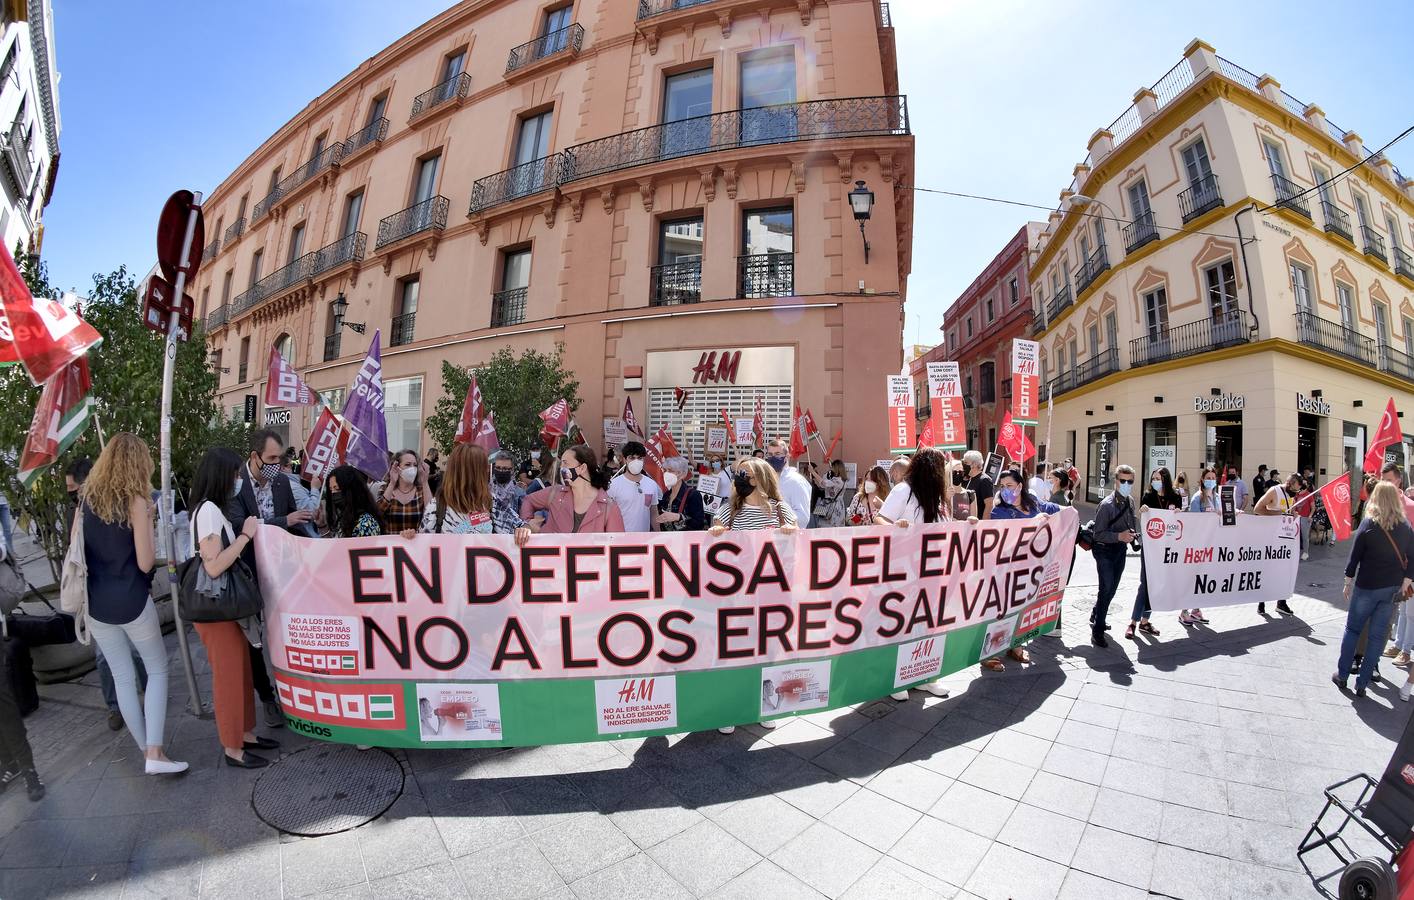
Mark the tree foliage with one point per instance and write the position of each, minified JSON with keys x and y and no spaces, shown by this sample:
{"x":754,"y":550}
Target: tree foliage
{"x":516,"y":389}
{"x":127,"y":390}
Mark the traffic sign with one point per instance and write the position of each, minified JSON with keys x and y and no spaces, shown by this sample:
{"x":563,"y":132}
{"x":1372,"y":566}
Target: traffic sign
{"x":157,"y":308}
{"x":172,"y":229}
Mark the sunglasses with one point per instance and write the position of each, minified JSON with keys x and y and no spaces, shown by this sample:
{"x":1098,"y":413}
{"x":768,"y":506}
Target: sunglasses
{"x":1126,"y":481}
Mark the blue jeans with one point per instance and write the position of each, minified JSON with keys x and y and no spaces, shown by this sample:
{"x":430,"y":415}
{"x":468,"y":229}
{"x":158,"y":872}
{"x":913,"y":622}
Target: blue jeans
{"x":1109,"y":565}
{"x":145,"y":720}
{"x":105,"y":677}
{"x":1375,"y":606}
{"x":1141,"y":599}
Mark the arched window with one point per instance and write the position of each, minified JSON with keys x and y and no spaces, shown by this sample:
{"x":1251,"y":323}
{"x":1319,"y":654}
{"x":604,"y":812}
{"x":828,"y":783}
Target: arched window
{"x":285,"y":345}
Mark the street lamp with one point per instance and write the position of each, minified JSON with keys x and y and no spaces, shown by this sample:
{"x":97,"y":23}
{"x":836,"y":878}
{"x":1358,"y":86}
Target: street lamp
{"x":213,"y":359}
{"x":861,"y":200}
{"x":339,"y":307}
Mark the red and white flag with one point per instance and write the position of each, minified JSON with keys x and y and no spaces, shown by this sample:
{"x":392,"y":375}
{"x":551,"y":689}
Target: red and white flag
{"x":797,"y":435}
{"x":284,"y":387}
{"x":680,"y":397}
{"x":43,"y":335}
{"x":486,"y":437}
{"x":660,"y":447}
{"x":630,"y":420}
{"x":1335,"y":497}
{"x":1013,"y":438}
{"x":1385,"y":437}
{"x":473,"y":413}
{"x":64,"y":409}
{"x":830,"y":454}
{"x":327,"y":445}
{"x":926,"y":438}
{"x":556,"y":418}
{"x":807,"y":424}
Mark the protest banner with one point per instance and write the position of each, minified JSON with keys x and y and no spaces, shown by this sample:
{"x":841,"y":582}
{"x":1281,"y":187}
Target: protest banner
{"x":1026,"y":385}
{"x":945,"y":398}
{"x":468,"y":640}
{"x":1193,"y":559}
{"x":902,"y":438}
{"x":615,"y":432}
{"x":716,"y":439}
{"x":745,"y":433}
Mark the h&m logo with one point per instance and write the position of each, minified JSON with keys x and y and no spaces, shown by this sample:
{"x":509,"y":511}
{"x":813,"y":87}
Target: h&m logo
{"x":922,"y":650}
{"x":640,"y":691}
{"x":712,"y":368}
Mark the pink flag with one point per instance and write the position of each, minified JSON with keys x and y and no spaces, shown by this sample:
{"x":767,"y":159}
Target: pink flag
{"x":284,"y":387}
{"x":630,"y":420}
{"x":556,"y":418}
{"x":473,"y":412}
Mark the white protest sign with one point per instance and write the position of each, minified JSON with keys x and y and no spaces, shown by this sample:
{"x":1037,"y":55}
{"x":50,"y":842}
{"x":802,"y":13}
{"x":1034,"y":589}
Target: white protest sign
{"x":1192,"y":559}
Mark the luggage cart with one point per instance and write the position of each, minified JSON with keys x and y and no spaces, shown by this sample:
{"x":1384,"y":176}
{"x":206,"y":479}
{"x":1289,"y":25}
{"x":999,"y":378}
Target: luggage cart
{"x":1364,"y":877}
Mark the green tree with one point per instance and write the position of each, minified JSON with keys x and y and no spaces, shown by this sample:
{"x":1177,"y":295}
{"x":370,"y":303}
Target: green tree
{"x":127,"y":390}
{"x":516,"y":389}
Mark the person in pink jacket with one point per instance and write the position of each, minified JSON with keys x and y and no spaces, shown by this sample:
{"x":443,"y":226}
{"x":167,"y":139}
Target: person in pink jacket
{"x":579,"y":504}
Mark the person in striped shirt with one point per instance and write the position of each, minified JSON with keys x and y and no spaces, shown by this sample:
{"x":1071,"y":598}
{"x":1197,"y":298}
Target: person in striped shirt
{"x":756,"y":503}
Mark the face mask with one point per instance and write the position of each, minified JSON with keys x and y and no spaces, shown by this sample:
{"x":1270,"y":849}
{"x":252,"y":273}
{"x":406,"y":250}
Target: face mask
{"x":1209,"y":483}
{"x":716,"y":466}
{"x":269,"y":470}
{"x":635,"y":467}
{"x":870,"y":487}
{"x":1156,"y":485}
{"x":409,"y":474}
{"x":743,"y":485}
{"x":74,"y":497}
{"x":1009,"y":496}
{"x":777,"y":462}
{"x":957,"y":479}
{"x":670,"y":480}
{"x":503,"y":477}
{"x":1126,"y":488}
{"x":568,"y":475}
{"x":236,"y":488}
{"x":535,"y":454}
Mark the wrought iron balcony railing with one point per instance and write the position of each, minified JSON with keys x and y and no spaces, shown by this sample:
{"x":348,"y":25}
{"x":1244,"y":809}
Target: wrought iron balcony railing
{"x":373,"y":131}
{"x":519,"y":181}
{"x":1337,"y":220}
{"x":1058,"y":302}
{"x":430,"y":214}
{"x":17,"y":162}
{"x":508,"y":307}
{"x":1091,"y":268}
{"x":1335,"y":338}
{"x":1140,"y":232}
{"x":1189,"y":340}
{"x":766,"y":274}
{"x":1403,"y":263}
{"x":785,"y":123}
{"x":233,"y":231}
{"x":453,"y":88}
{"x":885,"y":20}
{"x":331,"y":346}
{"x":217,"y":317}
{"x":402,"y":329}
{"x":570,"y":37}
{"x":647,"y":9}
{"x":349,"y":248}
{"x":1097,"y":366}
{"x":1396,"y":362}
{"x":285,"y":277}
{"x":1289,"y":195}
{"x":244,"y":301}
{"x":1200,"y":198}
{"x":676,"y":283}
{"x":1374,"y":244}
{"x":210,"y":250}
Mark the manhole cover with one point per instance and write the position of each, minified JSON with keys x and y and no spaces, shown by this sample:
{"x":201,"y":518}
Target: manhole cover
{"x":327,"y":789}
{"x":877,"y":709}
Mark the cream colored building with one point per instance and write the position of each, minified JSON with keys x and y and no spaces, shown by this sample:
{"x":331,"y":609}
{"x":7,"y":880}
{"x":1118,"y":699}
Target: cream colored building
{"x":1201,"y":293}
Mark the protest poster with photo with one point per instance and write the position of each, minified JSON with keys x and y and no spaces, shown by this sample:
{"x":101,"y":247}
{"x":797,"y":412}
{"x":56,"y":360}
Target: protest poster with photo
{"x":1193,"y":559}
{"x":469,"y":640}
{"x":615,"y":432}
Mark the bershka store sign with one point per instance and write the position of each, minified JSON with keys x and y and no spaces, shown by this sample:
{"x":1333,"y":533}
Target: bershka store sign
{"x":1313,"y":405}
{"x":1219,"y":403}
{"x":468,"y":640}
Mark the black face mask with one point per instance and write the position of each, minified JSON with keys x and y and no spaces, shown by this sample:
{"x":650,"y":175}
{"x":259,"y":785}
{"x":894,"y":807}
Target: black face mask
{"x":503,"y":477}
{"x":73,"y":498}
{"x":957,"y":478}
{"x":743,"y":485}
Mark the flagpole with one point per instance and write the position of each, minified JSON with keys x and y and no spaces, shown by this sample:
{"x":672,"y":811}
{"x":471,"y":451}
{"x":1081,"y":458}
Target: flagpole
{"x":98,"y":425}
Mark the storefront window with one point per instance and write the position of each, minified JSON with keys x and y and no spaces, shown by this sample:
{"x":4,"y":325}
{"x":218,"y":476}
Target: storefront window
{"x":1160,"y":446}
{"x":1104,"y":447}
{"x":1354,"y":445}
{"x":334,"y":398}
{"x":1224,"y":431}
{"x":402,"y":406}
{"x":1308,"y":442}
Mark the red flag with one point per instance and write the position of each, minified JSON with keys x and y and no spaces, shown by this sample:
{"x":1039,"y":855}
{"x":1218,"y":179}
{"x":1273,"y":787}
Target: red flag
{"x":680,"y":397}
{"x":797,"y":437}
{"x":1013,"y":437}
{"x":807,"y":422}
{"x":556,"y":418}
{"x":731,"y":432}
{"x":660,"y":447}
{"x":473,"y":412}
{"x":1335,"y":496}
{"x":630,"y":420}
{"x":327,"y":444}
{"x":926,"y":438}
{"x":42,"y":334}
{"x":1386,"y":436}
{"x":550,"y":441}
{"x":758,"y":424}
{"x":284,"y":387}
{"x":61,"y":415}
{"x":833,"y":444}
{"x":486,"y":436}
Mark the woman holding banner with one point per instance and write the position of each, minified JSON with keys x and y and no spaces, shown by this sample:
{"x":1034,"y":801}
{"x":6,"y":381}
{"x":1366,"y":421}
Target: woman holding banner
{"x":1160,"y":495}
{"x":580,"y":504}
{"x":1205,"y":499}
{"x":349,"y":509}
{"x":873,"y":491}
{"x":1379,"y":573}
{"x":465,"y":504}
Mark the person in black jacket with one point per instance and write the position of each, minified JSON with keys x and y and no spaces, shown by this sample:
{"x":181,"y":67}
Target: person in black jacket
{"x":1115,"y":528}
{"x":1380,"y":571}
{"x":1160,"y":495}
{"x":264,"y":492}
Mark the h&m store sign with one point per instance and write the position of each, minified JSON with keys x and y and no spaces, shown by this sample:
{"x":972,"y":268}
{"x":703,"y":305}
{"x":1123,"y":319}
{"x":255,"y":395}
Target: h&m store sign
{"x":721,"y":367}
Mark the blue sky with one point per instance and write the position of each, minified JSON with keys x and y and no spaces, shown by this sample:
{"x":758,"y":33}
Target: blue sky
{"x":1003,"y":96}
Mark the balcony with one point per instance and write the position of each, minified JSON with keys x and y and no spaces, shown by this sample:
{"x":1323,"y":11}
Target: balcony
{"x":885,"y":20}
{"x":454,"y":88}
{"x":371,"y":133}
{"x":347,"y":249}
{"x":402,"y":329}
{"x":210,"y":250}
{"x":1396,"y":362}
{"x":519,"y":181}
{"x":1289,"y":195}
{"x":306,"y":171}
{"x":244,"y":300}
{"x":1337,"y":220}
{"x":1374,"y":244}
{"x":217,"y":317}
{"x":547,"y":45}
{"x":508,"y":307}
{"x":784,"y":123}
{"x":1403,"y":264}
{"x":233,"y":231}
{"x":1335,"y":338}
{"x":676,"y":283}
{"x":1140,"y":232}
{"x":1200,"y":198}
{"x":766,"y":274}
{"x":647,"y":9}
{"x":18,"y":167}
{"x":429,"y":215}
{"x":1058,"y":302}
{"x":331,"y":346}
{"x":1190,"y":340}
{"x":1097,"y":366}
{"x":1091,"y":269}
{"x":284,"y":278}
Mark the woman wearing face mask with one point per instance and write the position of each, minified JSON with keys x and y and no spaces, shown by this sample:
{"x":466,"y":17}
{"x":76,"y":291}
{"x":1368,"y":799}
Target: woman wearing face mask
{"x":869,"y":499}
{"x":1015,"y":500}
{"x":406,"y":494}
{"x":349,"y":510}
{"x":680,"y":509}
{"x":1160,"y":495}
{"x":580,"y":504}
{"x":1060,"y":487}
{"x":465,"y":504}
{"x":1180,"y":487}
{"x":1205,"y":499}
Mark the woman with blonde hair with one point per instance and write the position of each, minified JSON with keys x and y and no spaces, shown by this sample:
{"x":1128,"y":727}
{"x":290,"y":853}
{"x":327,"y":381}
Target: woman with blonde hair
{"x":464,"y":504}
{"x":756,"y":503}
{"x":115,"y":517}
{"x":1380,"y":573}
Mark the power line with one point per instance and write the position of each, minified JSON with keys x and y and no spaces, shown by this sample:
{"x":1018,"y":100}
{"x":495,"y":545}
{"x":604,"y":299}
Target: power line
{"x":1339,"y":175}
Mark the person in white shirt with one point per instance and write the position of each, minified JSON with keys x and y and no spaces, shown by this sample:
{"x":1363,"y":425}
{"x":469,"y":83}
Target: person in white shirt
{"x":795,"y":488}
{"x":1040,"y":487}
{"x":637,"y":497}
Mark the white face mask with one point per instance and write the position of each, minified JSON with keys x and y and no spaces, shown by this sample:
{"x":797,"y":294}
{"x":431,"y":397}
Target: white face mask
{"x":635,"y":466}
{"x":409,"y":474}
{"x":870,"y":487}
{"x":236,"y":488}
{"x":670,"y":480}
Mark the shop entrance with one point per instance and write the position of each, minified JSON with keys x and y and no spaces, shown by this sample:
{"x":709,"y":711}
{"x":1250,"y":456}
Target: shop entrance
{"x":1308,"y":438}
{"x":1353,"y":440}
{"x":1224,"y":440}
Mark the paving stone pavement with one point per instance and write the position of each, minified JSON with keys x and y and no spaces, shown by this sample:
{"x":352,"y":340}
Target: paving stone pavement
{"x":1186,"y":766}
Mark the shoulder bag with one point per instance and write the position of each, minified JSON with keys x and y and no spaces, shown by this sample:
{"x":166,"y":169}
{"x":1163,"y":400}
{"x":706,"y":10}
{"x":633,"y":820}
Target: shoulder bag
{"x":73,"y":582}
{"x":1403,"y":562}
{"x":236,"y":595}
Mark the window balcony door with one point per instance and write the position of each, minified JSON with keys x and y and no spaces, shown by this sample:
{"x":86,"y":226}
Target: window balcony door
{"x":768,"y":112}
{"x":687,"y":108}
{"x":532,"y":143}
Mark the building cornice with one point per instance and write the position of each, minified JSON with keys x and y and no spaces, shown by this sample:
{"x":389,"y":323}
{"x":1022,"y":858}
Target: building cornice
{"x":41,"y":51}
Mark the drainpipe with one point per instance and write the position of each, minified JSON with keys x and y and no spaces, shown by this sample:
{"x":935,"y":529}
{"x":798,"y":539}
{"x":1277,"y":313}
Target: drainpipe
{"x":1247,"y":272}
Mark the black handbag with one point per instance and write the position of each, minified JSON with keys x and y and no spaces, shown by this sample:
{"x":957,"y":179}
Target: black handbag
{"x":41,"y":631}
{"x":238,"y":600}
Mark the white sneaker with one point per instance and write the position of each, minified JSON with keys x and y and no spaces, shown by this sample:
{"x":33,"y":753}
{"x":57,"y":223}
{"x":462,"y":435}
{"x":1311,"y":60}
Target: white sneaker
{"x":899,"y":696}
{"x":727,"y":729}
{"x":1404,"y":690}
{"x":165,"y":767}
{"x":1305,"y":556}
{"x":771,"y":724}
{"x":935,"y":688}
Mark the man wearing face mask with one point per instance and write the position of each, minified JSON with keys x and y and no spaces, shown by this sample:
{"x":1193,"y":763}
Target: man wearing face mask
{"x":1115,"y":527}
{"x":505,"y":493}
{"x":795,"y":488}
{"x":977,"y":481}
{"x":1239,"y":487}
{"x":636,"y":496}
